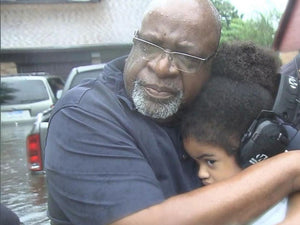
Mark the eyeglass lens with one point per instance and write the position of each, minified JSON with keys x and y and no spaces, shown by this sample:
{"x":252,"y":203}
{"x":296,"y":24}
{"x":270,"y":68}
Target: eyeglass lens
{"x":182,"y":62}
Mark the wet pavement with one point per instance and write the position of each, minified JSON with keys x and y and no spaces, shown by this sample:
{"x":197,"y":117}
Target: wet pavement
{"x":22,"y":192}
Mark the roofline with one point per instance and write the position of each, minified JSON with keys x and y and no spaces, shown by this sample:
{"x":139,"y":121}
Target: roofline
{"x":46,"y":1}
{"x":283,"y":24}
{"x":65,"y":49}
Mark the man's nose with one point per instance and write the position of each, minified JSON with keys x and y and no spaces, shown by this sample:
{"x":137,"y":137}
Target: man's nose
{"x":163,"y":65}
{"x":203,"y":172}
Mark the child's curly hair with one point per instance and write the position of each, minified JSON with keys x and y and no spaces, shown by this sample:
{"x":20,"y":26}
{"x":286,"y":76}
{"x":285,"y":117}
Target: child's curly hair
{"x":246,"y":61}
{"x":244,"y":81}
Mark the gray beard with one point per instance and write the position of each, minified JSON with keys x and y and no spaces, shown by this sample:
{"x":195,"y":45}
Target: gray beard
{"x":157,"y":109}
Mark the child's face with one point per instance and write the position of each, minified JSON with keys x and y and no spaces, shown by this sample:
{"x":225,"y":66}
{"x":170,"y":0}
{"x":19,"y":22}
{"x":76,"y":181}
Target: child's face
{"x":214,"y":163}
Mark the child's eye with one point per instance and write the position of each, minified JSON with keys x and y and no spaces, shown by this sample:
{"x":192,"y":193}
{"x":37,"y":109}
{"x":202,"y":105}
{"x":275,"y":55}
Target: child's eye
{"x":210,"y":162}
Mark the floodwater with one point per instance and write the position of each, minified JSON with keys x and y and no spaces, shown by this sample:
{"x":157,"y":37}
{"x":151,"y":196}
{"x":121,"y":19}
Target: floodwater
{"x":22,"y":192}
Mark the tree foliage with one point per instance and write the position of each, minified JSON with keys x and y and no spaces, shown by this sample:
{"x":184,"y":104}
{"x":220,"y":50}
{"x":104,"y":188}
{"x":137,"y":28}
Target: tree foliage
{"x":260,"y":30}
{"x":226,"y":10}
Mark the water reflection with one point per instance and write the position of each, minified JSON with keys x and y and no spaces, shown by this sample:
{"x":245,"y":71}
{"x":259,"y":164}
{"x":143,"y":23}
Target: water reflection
{"x":24,"y":193}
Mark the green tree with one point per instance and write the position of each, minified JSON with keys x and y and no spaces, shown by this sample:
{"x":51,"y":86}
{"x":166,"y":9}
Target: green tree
{"x":227,"y":11}
{"x":260,"y":30}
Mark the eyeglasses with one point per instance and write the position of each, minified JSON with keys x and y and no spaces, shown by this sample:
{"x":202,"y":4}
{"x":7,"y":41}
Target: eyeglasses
{"x":182,"y":61}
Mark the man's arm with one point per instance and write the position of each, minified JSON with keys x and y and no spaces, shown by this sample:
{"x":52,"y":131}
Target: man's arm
{"x":233,"y":201}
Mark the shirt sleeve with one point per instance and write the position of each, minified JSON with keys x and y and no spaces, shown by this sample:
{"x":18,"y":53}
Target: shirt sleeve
{"x":95,"y":172}
{"x":274,"y":215}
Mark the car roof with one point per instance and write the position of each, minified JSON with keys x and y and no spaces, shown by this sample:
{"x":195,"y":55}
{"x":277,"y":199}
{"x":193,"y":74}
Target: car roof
{"x":80,"y":69}
{"x":29,"y":76}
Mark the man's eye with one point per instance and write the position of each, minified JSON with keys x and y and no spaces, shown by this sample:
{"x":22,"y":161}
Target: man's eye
{"x":143,"y":47}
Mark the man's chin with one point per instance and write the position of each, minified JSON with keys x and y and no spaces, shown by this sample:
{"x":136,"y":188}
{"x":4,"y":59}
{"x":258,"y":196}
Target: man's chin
{"x":153,"y":106}
{"x":156,"y":109}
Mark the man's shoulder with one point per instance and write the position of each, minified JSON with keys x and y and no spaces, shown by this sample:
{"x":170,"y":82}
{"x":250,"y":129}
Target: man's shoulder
{"x":105,"y":89}
{"x":89,"y":96}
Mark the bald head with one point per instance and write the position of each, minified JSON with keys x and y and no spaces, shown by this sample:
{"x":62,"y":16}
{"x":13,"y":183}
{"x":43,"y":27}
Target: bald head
{"x":200,"y":13}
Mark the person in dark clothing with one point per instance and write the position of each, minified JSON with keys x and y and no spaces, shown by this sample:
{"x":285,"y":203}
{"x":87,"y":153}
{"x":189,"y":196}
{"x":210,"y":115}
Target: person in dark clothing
{"x":8,"y":217}
{"x":114,"y":153}
{"x":288,"y":98}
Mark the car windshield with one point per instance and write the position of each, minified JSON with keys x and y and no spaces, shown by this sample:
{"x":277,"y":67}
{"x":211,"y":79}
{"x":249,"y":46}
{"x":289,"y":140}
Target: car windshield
{"x":22,"y":91}
{"x":56,"y":84}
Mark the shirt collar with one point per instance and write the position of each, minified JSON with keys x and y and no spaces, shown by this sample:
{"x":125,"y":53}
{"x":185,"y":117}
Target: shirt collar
{"x":113,"y":78}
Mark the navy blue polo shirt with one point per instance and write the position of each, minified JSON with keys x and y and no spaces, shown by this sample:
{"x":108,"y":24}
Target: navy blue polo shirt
{"x":104,"y":160}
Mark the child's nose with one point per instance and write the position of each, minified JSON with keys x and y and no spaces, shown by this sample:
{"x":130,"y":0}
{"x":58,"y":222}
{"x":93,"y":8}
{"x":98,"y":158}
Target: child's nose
{"x":203,"y":172}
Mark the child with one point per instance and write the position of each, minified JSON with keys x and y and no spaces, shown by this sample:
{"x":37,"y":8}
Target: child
{"x":244,"y":82}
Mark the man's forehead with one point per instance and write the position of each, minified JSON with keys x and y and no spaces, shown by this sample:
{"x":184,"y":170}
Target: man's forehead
{"x":188,"y":29}
{"x":191,"y":14}
{"x":175,"y":7}
{"x":168,"y":3}
{"x":175,"y":16}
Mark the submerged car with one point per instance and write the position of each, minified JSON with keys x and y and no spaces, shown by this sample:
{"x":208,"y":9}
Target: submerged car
{"x":25,"y":95}
{"x":36,"y":139}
